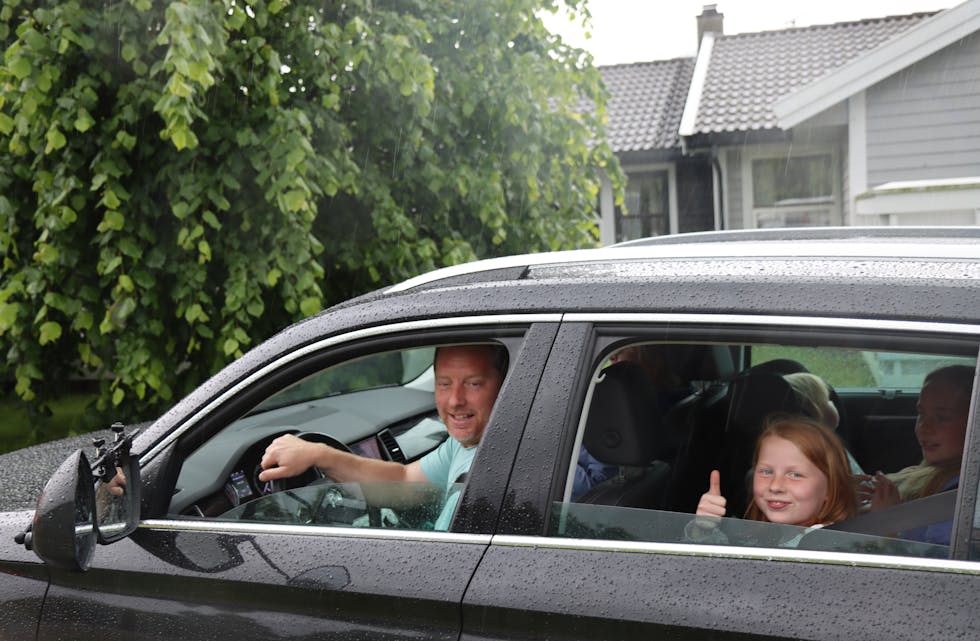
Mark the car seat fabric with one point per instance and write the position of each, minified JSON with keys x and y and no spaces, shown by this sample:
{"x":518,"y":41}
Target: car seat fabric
{"x":622,"y":428}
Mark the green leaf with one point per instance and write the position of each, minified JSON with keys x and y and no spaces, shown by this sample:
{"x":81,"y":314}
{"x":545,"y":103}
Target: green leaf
{"x":83,"y":122}
{"x":83,"y":321}
{"x":8,"y":316}
{"x":230,"y":346}
{"x":310,"y":306}
{"x":112,"y":221}
{"x":55,"y":139}
{"x":204,"y":251}
{"x":6,"y":124}
{"x":294,"y":200}
{"x":20,"y":66}
{"x":50,"y":332}
{"x":118,"y":396}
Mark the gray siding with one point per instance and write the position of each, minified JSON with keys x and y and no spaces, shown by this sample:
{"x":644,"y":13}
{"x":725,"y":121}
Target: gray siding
{"x":924,"y":122}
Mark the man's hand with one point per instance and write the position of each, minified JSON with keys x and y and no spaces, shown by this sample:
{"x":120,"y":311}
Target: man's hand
{"x":289,"y":456}
{"x":712,"y":503}
{"x":117,"y":484}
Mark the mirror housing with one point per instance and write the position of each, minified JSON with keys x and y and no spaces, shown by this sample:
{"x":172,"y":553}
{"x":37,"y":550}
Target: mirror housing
{"x":64,"y":532}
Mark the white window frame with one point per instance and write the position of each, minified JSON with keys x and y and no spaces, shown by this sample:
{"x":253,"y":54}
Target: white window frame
{"x":753,"y":214}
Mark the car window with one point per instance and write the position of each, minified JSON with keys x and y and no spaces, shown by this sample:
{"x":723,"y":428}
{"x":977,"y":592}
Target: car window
{"x":660,"y":419}
{"x":379,"y":406}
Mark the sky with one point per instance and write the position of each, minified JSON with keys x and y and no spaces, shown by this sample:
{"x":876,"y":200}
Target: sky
{"x":644,"y":30}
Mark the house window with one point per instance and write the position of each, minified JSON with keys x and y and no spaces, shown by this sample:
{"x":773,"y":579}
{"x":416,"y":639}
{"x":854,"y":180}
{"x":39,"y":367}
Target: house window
{"x":646,"y":207}
{"x":794,"y":191}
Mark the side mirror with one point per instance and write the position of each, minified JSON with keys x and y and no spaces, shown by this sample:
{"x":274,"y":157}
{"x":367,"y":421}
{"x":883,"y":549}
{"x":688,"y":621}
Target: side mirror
{"x":83,"y":504}
{"x":64,"y":531}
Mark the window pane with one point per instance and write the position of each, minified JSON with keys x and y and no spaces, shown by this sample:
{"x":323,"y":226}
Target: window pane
{"x":779,"y":182}
{"x":646,"y":206}
{"x":662,"y":418}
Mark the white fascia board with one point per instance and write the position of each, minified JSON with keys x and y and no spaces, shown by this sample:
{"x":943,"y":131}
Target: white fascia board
{"x":904,"y":50}
{"x":690,"y":115}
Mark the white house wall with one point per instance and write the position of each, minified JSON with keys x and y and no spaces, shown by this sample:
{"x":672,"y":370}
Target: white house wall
{"x":924,"y":122}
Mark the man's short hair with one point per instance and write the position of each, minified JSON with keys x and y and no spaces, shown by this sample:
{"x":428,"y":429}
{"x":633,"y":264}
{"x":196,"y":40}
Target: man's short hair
{"x":499,"y":357}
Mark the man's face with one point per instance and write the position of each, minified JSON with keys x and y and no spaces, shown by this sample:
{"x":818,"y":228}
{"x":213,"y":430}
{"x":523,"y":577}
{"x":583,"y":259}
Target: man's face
{"x":466,"y":388}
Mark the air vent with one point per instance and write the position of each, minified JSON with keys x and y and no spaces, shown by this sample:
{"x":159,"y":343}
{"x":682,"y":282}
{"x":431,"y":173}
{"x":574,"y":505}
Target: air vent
{"x":391,"y":447}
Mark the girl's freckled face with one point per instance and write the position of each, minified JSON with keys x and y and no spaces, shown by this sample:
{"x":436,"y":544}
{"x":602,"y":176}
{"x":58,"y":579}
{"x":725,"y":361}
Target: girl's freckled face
{"x":787,"y":486}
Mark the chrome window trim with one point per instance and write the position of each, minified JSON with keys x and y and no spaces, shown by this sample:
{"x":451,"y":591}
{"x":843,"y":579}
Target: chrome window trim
{"x":369,"y":332}
{"x":823,"y":322}
{"x":733,"y":552}
{"x":238,"y":527}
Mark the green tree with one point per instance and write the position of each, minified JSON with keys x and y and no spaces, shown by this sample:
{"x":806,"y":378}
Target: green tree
{"x":178,"y":180}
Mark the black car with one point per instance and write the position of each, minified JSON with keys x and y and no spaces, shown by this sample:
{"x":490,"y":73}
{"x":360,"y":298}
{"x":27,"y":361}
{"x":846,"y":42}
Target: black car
{"x":197,"y":547}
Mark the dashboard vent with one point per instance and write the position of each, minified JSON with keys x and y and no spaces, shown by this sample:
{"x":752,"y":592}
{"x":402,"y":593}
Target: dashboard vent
{"x":391,"y":446}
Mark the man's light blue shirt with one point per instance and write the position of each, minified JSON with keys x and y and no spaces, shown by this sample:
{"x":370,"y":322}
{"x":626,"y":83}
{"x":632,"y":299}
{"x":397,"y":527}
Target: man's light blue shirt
{"x":442,"y":466}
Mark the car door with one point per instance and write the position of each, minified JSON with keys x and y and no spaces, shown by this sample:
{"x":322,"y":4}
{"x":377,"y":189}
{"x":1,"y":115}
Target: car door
{"x":563,"y":569}
{"x":197,"y":573}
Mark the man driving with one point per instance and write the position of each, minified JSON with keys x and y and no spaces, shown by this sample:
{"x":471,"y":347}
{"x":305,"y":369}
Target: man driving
{"x":467,"y":380}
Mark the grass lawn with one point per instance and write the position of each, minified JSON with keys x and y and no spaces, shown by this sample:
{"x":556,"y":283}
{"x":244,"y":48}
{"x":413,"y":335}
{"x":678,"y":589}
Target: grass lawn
{"x":67,"y":418}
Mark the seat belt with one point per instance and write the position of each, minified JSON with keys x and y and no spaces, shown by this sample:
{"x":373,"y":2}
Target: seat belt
{"x":916,"y":513}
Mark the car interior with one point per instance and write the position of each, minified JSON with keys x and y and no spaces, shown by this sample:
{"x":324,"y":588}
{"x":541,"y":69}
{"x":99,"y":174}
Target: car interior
{"x":664,"y":453}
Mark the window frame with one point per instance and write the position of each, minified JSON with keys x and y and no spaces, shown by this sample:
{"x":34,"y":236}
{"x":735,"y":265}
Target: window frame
{"x":668,"y":171}
{"x":753,"y":213}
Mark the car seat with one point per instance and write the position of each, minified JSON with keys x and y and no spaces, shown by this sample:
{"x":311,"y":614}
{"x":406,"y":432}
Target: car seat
{"x":622,"y":429}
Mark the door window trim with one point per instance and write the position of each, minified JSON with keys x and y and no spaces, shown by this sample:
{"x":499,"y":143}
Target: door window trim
{"x":733,"y":552}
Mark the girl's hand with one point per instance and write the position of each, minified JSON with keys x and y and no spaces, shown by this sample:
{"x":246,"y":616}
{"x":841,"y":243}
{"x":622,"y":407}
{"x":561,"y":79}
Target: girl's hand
{"x":712,"y":503}
{"x":885,"y":493}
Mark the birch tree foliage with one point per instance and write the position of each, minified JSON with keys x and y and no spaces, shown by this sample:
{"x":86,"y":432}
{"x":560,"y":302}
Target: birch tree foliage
{"x":179,"y":180}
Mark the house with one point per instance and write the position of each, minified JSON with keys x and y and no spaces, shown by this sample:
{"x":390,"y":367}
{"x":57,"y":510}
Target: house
{"x":873,"y":122}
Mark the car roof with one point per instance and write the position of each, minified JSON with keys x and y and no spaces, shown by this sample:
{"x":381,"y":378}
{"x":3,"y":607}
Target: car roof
{"x":924,"y":243}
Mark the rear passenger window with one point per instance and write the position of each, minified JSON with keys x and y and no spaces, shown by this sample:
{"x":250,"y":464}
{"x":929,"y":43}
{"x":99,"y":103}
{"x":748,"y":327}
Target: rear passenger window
{"x":764,"y":445}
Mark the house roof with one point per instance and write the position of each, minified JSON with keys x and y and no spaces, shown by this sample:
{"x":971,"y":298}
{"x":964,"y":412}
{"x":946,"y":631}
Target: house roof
{"x":904,"y":50}
{"x":646,"y":101}
{"x":748,"y":72}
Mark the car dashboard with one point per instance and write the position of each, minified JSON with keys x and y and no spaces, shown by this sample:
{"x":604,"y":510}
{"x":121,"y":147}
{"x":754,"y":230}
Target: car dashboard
{"x":391,"y":423}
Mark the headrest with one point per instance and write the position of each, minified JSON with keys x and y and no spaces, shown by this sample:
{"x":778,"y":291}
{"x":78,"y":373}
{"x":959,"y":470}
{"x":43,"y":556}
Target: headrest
{"x":623,"y":417}
{"x":700,"y":362}
{"x":754,"y":397}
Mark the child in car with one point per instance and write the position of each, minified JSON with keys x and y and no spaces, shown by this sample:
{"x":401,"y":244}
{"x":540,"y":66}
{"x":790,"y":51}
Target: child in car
{"x":940,"y":428}
{"x":800,"y":476}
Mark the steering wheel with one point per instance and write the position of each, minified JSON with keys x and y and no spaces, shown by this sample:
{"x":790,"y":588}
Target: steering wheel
{"x":312,"y":475}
